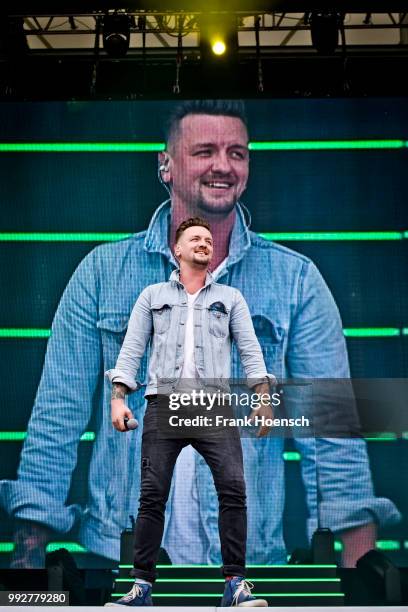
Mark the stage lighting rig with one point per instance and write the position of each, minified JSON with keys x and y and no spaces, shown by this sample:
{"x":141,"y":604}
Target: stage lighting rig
{"x":116,"y":34}
{"x":324,"y":28}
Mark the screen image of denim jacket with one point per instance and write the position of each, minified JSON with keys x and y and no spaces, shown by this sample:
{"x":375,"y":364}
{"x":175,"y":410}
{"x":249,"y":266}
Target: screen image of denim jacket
{"x":299,"y":330}
{"x":160,"y":313}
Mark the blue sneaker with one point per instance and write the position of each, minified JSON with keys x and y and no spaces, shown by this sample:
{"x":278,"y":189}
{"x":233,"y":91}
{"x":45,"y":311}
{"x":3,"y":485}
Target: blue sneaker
{"x":238,"y":593}
{"x":139,"y":595}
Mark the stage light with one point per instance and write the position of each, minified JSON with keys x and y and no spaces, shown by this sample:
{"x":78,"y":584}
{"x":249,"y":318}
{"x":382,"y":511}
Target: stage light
{"x":324,"y":28}
{"x":218,"y":37}
{"x":381,"y":577}
{"x":116,"y":34}
{"x":219,"y":47}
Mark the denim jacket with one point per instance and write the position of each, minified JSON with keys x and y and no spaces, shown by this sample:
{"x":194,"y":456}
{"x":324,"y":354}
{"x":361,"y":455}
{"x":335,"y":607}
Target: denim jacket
{"x":220,"y":314}
{"x":298,"y":327}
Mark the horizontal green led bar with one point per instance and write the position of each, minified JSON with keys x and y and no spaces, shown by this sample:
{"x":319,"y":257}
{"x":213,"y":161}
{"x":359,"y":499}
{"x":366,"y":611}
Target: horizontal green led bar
{"x":317,"y":236}
{"x":72,"y":547}
{"x":188,"y":595}
{"x":217,"y":567}
{"x":19,"y":436}
{"x":279,"y":236}
{"x":81,"y":147}
{"x":380,"y":545}
{"x":385,"y":436}
{"x":350,"y":332}
{"x":291,"y":456}
{"x":151,"y":147}
{"x":10,"y":332}
{"x":326,"y":145}
{"x":388,"y":545}
{"x":371,"y":332}
{"x":190,"y":580}
{"x":61,"y":236}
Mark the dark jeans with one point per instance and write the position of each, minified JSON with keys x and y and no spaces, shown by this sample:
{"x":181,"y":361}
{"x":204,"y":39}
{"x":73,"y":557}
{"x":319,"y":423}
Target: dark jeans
{"x":223,"y":454}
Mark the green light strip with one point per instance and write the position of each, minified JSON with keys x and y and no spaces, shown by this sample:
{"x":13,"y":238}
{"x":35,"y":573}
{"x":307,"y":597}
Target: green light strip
{"x":350,"y":332}
{"x":291,"y":456}
{"x":380,"y":545}
{"x":190,"y":580}
{"x":19,"y":436}
{"x":10,"y":332}
{"x":187,"y":595}
{"x":81,"y":147}
{"x":89,"y":436}
{"x":61,"y":236}
{"x":317,"y":236}
{"x":6,"y":547}
{"x":326,"y":145}
{"x":388,"y":545}
{"x":371,"y":332}
{"x":217,"y":567}
{"x":151,"y":147}
{"x":384,"y":436}
{"x":279,"y":236}
{"x":70,"y":546}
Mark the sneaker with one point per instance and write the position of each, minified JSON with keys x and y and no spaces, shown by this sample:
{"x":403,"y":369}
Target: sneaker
{"x":139,"y":595}
{"x":238,"y":593}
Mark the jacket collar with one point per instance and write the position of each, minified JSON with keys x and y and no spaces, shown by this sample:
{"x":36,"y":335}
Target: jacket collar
{"x":157,"y":235}
{"x":175,"y":276}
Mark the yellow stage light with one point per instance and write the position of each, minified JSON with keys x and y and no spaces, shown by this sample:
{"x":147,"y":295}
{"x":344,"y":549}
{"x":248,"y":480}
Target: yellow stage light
{"x":218,"y":47}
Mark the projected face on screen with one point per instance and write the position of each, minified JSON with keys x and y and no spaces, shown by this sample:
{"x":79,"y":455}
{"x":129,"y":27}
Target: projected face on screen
{"x":208,"y":162}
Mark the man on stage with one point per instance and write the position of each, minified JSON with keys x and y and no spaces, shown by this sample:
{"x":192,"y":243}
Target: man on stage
{"x":190,"y":321}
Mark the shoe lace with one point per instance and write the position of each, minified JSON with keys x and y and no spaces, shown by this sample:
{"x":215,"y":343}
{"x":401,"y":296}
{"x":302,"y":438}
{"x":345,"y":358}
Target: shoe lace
{"x":135,"y":591}
{"x":245,"y":586}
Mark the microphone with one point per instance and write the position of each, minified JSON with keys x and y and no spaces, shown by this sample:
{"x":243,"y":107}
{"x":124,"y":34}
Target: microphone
{"x":130,"y":424}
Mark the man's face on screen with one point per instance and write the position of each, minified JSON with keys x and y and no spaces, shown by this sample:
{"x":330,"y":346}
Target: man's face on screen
{"x":209,"y":162}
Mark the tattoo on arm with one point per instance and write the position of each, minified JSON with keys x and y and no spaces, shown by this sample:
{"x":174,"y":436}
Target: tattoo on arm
{"x":119,"y":391}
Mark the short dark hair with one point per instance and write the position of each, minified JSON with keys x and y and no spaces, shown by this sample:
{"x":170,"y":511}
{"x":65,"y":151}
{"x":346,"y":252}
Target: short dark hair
{"x":229,"y":108}
{"x":192,"y":222}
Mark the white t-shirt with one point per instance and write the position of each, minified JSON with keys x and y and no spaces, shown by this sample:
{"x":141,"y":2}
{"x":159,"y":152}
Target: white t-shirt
{"x":189,"y":367}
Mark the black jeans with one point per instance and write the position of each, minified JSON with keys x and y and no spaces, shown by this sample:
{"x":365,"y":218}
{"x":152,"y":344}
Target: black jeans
{"x":223,"y":454}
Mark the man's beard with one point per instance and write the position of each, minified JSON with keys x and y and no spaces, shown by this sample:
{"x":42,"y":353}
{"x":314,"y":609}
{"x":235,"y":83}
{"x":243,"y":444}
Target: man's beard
{"x":215,"y":208}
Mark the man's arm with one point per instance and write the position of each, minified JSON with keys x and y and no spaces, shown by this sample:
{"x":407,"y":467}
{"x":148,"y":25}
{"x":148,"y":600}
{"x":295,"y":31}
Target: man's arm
{"x":123,"y":376}
{"x":138,"y":333}
{"x":243,"y":333}
{"x":331,"y":467}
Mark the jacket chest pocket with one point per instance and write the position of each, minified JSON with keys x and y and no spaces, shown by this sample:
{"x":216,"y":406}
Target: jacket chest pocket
{"x":161,"y":317}
{"x":218,"y":320}
{"x":271,"y":339}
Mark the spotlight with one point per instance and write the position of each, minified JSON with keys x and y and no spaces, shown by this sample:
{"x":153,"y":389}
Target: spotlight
{"x":324,"y":29}
{"x":219,"y":47}
{"x":218,"y":36}
{"x":116,"y":34}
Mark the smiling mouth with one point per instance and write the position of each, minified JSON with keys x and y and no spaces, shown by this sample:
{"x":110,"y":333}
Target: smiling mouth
{"x":218,"y":184}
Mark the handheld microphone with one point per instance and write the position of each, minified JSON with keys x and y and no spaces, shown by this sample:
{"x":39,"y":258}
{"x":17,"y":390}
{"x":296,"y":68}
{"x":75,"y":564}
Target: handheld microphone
{"x":130,"y":424}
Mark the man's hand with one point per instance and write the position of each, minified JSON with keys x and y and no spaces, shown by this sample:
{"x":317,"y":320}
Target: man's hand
{"x":119,"y":410}
{"x":265,"y":410}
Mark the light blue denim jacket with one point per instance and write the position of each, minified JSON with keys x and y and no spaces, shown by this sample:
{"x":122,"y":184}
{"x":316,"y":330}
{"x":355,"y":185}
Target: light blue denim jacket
{"x":220,"y":315}
{"x":298,"y":326}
